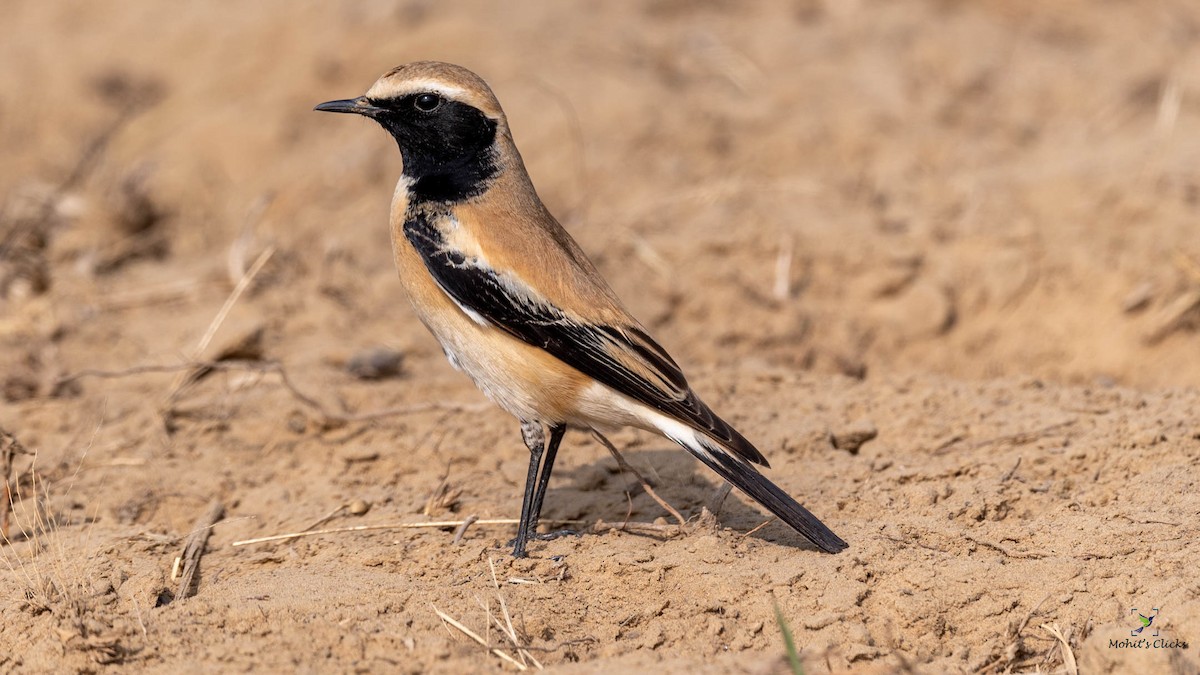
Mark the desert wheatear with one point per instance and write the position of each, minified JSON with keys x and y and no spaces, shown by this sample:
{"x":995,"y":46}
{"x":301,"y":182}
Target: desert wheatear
{"x":518,"y":307}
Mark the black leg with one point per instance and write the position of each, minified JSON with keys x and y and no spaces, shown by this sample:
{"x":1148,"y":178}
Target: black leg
{"x":556,"y":435}
{"x":535,"y":440}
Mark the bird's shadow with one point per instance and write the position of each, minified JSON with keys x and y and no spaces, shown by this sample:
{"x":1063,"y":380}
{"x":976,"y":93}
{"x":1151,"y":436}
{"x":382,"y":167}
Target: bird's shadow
{"x":600,"y":490}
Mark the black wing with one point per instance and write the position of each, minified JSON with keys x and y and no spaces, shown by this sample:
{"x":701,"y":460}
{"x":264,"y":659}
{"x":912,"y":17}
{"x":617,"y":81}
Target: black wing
{"x":624,"y":358}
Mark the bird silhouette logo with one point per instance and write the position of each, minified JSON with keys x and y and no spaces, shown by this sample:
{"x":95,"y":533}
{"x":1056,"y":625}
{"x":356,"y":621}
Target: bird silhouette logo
{"x":1144,"y":621}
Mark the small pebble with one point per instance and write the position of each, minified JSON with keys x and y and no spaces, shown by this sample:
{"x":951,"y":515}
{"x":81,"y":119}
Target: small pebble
{"x":297,"y":422}
{"x":375,"y":364}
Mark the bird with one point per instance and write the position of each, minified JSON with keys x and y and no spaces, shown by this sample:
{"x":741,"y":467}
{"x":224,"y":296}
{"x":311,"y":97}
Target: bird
{"x":1145,"y":621}
{"x":516,"y":304}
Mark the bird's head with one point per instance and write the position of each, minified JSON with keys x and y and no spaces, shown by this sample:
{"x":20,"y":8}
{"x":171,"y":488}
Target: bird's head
{"x":446,"y":121}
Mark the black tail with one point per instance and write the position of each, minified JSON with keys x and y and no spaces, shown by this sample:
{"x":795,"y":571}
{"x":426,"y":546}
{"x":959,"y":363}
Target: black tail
{"x":769,"y":495}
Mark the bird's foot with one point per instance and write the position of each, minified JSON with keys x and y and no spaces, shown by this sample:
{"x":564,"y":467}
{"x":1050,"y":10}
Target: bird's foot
{"x":544,"y":536}
{"x":551,"y":536}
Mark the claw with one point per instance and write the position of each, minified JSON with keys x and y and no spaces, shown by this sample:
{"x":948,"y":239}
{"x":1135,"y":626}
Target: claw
{"x":541,"y":536}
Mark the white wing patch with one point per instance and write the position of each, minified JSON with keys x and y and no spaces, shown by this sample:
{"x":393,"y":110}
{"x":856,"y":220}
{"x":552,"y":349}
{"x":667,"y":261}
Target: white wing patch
{"x":461,"y":240}
{"x":472,"y":314}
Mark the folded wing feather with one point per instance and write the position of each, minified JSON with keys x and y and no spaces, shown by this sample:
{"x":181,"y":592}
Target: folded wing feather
{"x":622,"y":357}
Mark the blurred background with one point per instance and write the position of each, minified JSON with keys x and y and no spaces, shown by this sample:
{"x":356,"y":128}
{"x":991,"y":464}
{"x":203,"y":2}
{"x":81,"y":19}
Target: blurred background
{"x":882,"y":222}
{"x":977,"y":189}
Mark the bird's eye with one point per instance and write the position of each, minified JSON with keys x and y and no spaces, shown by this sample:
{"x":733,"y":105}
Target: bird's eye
{"x":427,"y":102}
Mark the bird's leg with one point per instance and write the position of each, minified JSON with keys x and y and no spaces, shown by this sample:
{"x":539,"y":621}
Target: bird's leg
{"x":556,"y":435}
{"x":536,"y":483}
{"x":535,"y":439}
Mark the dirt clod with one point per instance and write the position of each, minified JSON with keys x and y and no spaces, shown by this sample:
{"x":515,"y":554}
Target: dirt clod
{"x":853,"y":436}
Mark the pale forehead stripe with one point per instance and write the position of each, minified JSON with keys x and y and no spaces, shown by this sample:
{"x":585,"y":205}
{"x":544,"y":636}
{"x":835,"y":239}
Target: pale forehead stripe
{"x":397,"y":90}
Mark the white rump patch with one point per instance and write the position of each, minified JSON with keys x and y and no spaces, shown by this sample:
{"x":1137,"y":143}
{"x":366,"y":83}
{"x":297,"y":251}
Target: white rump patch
{"x":603,"y":407}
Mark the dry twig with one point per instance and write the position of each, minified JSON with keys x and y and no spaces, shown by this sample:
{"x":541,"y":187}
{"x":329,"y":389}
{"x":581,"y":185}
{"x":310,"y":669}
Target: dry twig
{"x":641,"y":479}
{"x":461,"y":531}
{"x":194,"y":548}
{"x":1018,"y":438}
{"x":1030,"y":555}
{"x":1011,"y":472}
{"x":275,"y":367}
{"x":913,"y":542}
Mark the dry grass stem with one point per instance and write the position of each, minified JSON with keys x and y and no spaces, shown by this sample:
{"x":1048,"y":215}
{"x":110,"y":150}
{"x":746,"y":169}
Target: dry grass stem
{"x":235,"y":261}
{"x":60,"y":581}
{"x":396,"y":526}
{"x":443,"y":497}
{"x":471,"y":634}
{"x":1170,"y":101}
{"x":507,"y":627}
{"x":650,"y":256}
{"x":758,"y":527}
{"x":148,"y":297}
{"x":222,"y":314}
{"x":326,"y":518}
{"x":652,"y":528}
{"x":782,"y":290}
{"x":1067,"y":653}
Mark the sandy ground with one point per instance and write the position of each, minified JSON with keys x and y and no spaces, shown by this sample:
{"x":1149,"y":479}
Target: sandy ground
{"x":969,"y":227}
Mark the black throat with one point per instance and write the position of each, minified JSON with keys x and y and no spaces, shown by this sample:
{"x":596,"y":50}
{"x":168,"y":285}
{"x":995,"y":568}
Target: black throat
{"x":449,"y":154}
